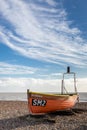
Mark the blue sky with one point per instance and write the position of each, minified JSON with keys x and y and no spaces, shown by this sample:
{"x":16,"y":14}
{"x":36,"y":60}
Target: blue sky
{"x":40,"y":38}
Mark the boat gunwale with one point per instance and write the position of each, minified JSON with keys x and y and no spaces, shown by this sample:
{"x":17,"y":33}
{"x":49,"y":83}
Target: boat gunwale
{"x":48,"y":94}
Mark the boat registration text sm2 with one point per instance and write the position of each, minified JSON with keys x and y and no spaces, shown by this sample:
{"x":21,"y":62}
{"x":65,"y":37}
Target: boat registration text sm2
{"x":39,"y":102}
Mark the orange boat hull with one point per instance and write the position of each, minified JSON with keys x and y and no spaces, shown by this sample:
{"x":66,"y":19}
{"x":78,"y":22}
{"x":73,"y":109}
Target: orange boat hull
{"x":39,"y":103}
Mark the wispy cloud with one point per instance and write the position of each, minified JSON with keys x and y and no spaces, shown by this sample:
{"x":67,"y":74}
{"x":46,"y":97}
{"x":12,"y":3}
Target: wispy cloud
{"x":6,"y":68}
{"x":51,"y":2}
{"x":41,"y":33}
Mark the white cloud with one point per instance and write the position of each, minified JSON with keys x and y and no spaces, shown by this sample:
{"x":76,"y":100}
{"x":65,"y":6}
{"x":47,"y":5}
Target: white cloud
{"x":82,"y":84}
{"x":45,"y":34}
{"x":22,"y":84}
{"x":41,"y":85}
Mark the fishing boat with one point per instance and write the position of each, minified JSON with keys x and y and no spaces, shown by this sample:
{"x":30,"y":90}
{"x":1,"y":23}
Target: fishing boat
{"x":42,"y":103}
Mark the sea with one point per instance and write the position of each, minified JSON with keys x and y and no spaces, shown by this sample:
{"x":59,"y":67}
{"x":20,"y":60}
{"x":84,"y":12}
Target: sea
{"x":23,"y":97}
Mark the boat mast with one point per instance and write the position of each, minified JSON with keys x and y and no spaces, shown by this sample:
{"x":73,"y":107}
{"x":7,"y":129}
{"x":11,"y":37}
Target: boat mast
{"x":63,"y":87}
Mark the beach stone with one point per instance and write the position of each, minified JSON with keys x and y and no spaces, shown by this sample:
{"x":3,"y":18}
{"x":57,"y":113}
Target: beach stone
{"x":14,"y":115}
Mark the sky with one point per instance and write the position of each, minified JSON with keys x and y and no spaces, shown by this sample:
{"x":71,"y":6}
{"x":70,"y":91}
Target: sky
{"x":38,"y":40}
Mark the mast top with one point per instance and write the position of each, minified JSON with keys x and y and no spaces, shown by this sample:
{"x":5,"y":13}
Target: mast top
{"x":68,"y":69}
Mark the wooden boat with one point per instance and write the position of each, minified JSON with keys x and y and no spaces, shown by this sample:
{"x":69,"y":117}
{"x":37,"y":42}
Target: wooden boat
{"x":41,"y":103}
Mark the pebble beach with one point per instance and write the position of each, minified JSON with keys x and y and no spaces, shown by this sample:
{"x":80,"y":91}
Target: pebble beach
{"x":14,"y":115}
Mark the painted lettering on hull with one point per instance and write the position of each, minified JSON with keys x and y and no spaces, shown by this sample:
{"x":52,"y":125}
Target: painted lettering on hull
{"x":39,"y":102}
